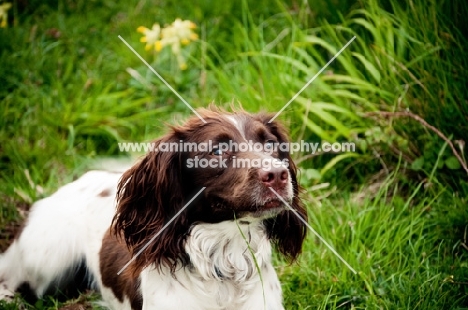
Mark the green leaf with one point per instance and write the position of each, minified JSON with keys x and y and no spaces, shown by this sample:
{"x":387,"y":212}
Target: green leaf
{"x":452,"y":163}
{"x":312,"y":174}
{"x":369,"y":67}
{"x":418,"y":163}
{"x":335,"y":160}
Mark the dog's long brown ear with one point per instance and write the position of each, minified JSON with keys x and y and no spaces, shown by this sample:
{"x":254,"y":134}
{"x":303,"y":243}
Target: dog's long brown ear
{"x":148,"y":196}
{"x":286,"y":229}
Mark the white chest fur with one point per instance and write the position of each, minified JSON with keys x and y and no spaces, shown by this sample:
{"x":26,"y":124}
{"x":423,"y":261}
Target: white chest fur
{"x":230,"y":269}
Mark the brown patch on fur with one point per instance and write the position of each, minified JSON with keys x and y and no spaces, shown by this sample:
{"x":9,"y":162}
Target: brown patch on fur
{"x":105,"y":193}
{"x":112,"y":258}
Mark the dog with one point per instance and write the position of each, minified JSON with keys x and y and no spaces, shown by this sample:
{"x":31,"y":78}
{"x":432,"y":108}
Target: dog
{"x":170,"y":232}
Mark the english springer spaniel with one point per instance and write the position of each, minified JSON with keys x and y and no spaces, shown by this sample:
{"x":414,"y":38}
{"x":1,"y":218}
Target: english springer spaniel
{"x":211,"y":252}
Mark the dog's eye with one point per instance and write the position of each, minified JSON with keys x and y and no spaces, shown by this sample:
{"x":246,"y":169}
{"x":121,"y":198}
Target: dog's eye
{"x":269,"y":145}
{"x":216,"y":152}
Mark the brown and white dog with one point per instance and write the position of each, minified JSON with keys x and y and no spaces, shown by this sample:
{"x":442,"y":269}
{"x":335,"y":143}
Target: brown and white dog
{"x":216,"y":254}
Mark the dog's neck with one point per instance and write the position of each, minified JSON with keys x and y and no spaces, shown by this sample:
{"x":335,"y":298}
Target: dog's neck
{"x":231,"y":250}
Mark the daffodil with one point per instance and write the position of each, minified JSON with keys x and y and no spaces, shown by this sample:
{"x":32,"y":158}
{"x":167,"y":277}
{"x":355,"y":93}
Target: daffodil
{"x":151,"y":35}
{"x":3,"y":14}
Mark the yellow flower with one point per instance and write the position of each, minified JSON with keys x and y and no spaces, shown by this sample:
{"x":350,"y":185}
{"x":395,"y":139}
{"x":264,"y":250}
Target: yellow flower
{"x":179,"y":33}
{"x":183,"y":29}
{"x":3,"y":14}
{"x":158,"y":46}
{"x":169,"y":37}
{"x":151,"y":35}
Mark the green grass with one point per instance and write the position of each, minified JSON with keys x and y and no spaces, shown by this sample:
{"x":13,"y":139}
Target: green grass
{"x":395,"y":209}
{"x":405,"y":257}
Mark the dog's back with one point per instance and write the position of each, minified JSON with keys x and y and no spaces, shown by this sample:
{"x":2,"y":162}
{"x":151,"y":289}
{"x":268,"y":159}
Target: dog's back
{"x":61,"y":232}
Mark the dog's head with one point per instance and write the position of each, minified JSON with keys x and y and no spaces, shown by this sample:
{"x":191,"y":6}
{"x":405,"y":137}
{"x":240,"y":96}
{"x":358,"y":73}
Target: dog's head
{"x":236,"y":157}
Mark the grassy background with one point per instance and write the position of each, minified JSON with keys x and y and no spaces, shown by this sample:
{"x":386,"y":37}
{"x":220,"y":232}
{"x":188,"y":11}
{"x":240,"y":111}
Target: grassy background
{"x":395,"y":209}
